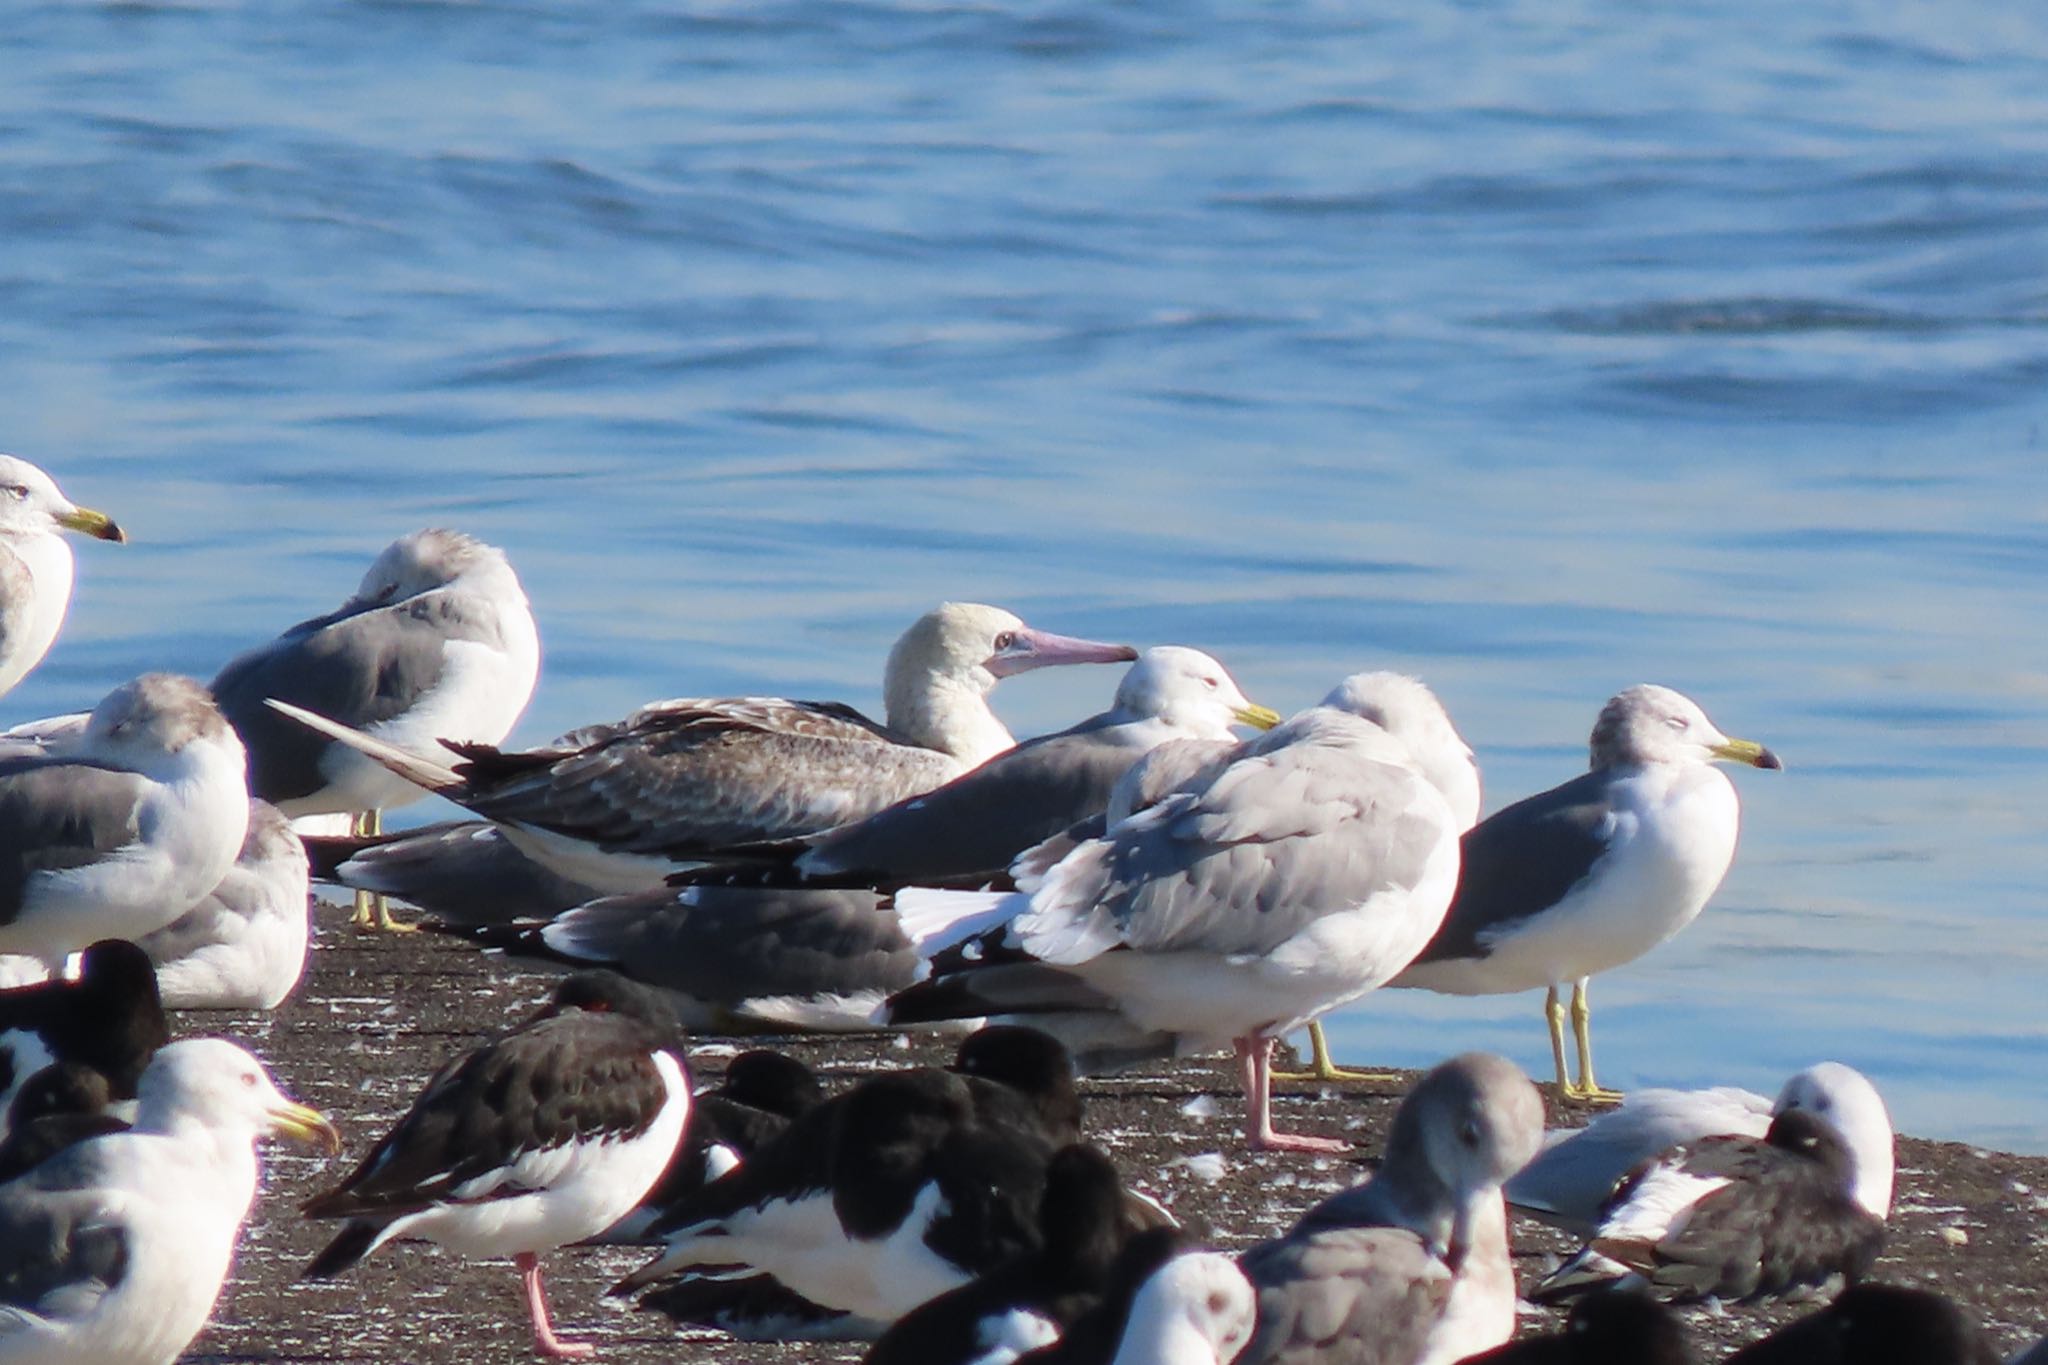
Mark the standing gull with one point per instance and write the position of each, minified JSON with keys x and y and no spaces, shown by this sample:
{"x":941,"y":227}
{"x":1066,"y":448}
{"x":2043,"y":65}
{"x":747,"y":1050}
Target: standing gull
{"x":124,"y":829}
{"x":114,"y":1250}
{"x":544,"y":1137}
{"x":244,"y":945}
{"x":1299,"y":877}
{"x":35,"y":563}
{"x":438,"y":644}
{"x":1595,"y":873}
{"x":620,"y":807}
{"x":1410,"y":1268}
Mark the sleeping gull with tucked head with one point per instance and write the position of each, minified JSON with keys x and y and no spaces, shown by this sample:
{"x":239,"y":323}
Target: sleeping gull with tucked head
{"x":437,"y":644}
{"x":1592,"y":874}
{"x":620,"y":807}
{"x":1411,"y":1267}
{"x":114,"y":1250}
{"x":243,"y":946}
{"x":35,"y":563}
{"x":122,"y":829}
{"x":1301,"y":875}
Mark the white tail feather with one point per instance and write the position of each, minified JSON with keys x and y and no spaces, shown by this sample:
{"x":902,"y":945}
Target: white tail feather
{"x":934,"y":921}
{"x":419,"y":769}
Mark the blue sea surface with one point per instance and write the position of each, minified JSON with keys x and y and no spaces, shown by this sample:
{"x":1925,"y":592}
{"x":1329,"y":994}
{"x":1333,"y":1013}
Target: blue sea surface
{"x":1536,"y":348}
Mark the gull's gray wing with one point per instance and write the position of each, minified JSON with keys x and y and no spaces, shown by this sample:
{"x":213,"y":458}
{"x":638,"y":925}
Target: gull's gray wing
{"x":56,"y":815}
{"x":1278,"y":840}
{"x":62,"y":1246}
{"x":979,"y":821}
{"x":725,"y":946}
{"x":1344,"y":1296}
{"x":1522,"y":861}
{"x":360,"y":665}
{"x":465,"y":872}
{"x":686,"y":777}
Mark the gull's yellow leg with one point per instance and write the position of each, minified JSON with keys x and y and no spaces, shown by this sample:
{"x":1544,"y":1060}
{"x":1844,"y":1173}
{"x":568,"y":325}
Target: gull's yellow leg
{"x":1553,"y":1014}
{"x":1321,"y":1068}
{"x":372,"y":912}
{"x":1587,"y":1089}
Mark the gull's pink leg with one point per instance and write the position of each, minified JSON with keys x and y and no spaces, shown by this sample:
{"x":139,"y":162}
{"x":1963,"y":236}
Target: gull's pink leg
{"x":1255,"y":1060}
{"x":545,"y":1341}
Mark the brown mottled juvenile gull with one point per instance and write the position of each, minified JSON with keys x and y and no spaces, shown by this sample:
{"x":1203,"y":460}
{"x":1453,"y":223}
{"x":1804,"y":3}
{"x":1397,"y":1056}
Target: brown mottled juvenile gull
{"x":1592,"y":874}
{"x":35,"y":563}
{"x":1411,"y":1267}
{"x":437,"y":645}
{"x":123,"y":829}
{"x":1298,"y":877}
{"x":621,"y":807}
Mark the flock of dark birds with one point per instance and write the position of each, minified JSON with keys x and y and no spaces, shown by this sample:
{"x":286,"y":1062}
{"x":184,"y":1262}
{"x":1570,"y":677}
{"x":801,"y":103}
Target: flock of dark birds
{"x":1144,"y":885}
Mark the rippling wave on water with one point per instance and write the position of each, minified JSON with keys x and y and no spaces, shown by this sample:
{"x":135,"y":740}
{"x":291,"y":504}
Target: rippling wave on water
{"x":1539,"y":349}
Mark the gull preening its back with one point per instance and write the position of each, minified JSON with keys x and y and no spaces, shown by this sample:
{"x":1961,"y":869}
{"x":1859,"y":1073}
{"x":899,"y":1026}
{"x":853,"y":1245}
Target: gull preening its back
{"x":35,"y":563}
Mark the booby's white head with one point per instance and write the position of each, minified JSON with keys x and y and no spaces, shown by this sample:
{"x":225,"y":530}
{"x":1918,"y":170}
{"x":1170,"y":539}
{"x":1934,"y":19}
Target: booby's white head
{"x":1197,"y":1309}
{"x":1411,"y":713}
{"x":1844,"y":1097}
{"x":1190,"y":692}
{"x":940,"y":672}
{"x":1651,"y":724}
{"x":32,"y":504}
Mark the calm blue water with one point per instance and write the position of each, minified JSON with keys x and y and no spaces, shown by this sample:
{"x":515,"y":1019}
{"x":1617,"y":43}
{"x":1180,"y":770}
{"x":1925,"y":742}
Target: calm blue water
{"x":1539,"y":348}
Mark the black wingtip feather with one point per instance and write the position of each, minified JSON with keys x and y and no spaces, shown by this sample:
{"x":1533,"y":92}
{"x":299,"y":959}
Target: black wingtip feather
{"x":350,"y":1245}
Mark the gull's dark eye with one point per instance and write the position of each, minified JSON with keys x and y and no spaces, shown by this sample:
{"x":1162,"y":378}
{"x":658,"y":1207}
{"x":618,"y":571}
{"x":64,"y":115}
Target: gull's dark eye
{"x":1469,"y":1134}
{"x":17,"y":491}
{"x":1006,"y":639}
{"x":1211,"y":683}
{"x":249,"y":1079}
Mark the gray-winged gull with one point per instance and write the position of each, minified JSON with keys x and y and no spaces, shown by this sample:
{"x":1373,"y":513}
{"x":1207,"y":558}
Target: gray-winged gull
{"x":537,"y":1139}
{"x":1300,"y":876}
{"x":1411,"y":1266}
{"x":1737,"y":1218}
{"x":621,"y":807}
{"x":123,"y":829}
{"x":437,"y":644}
{"x":1592,"y":874}
{"x":1567,"y":1185}
{"x":35,"y":563}
{"x":1406,"y":709}
{"x":973,"y":826}
{"x":244,"y":945}
{"x":459,"y":871}
{"x":114,"y":1250}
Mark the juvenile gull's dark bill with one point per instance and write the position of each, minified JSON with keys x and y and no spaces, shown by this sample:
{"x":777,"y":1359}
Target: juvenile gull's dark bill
{"x":1586,"y":876}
